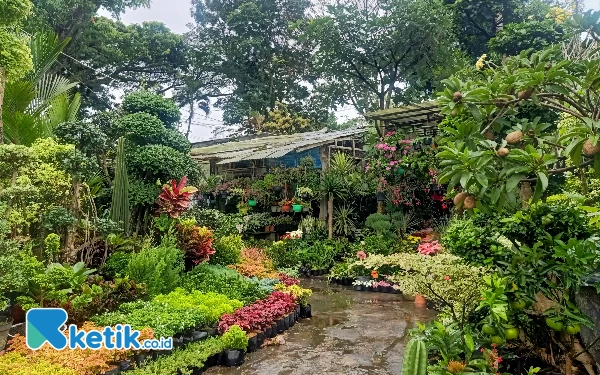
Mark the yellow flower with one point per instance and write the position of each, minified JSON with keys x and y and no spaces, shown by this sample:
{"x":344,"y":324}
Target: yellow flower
{"x":479,"y":63}
{"x":456,"y":367}
{"x":559,"y":14}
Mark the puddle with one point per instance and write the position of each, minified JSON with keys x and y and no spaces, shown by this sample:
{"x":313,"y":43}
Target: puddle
{"x":350,"y":333}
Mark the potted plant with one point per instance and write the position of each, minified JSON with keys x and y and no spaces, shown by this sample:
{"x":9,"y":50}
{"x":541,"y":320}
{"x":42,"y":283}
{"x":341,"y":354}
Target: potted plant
{"x":286,"y":205}
{"x":305,"y":192}
{"x":235,"y":342}
{"x":381,"y":185}
{"x":297,"y":205}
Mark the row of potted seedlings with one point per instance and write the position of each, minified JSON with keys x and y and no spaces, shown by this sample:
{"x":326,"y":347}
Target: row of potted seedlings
{"x":261,"y":320}
{"x":364,"y":284}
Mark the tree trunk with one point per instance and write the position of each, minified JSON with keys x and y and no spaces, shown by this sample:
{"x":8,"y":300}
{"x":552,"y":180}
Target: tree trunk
{"x":2,"y":86}
{"x":330,"y":216}
{"x":72,"y":231}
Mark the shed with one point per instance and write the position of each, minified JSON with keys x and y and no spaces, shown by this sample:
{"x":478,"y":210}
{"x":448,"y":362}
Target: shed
{"x":422,"y":118}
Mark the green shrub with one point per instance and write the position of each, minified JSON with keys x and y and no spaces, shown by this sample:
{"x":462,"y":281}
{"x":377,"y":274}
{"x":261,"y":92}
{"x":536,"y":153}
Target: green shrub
{"x":223,"y":280}
{"x":286,"y":254}
{"x":473,"y":239}
{"x":158,"y":267}
{"x":235,"y":339}
{"x":144,"y":101}
{"x":117,"y":263}
{"x":228,"y":250}
{"x":52,"y":246}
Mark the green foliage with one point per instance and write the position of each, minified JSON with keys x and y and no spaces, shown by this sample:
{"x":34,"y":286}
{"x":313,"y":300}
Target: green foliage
{"x":282,"y":121}
{"x":415,"y":358}
{"x":13,"y":12}
{"x":381,"y":224}
{"x":158,"y":267}
{"x":119,"y":210}
{"x":144,"y":101}
{"x":17,"y":265}
{"x":15,"y":56}
{"x":17,"y":364}
{"x":285,"y":254}
{"x":52,"y":246}
{"x":140,"y":128}
{"x":219,"y":279}
{"x":344,"y":222}
{"x":117,"y":263}
{"x":534,"y":34}
{"x":235,"y":338}
{"x":57,"y":219}
{"x":88,"y":138}
{"x":158,"y":162}
{"x":474,"y":239}
{"x":228,"y":250}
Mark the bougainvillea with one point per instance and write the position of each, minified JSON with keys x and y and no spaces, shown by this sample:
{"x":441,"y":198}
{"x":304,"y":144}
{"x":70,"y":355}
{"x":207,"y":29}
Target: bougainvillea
{"x":176,"y":197}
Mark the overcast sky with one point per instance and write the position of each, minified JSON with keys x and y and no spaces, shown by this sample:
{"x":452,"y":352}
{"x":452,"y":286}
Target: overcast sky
{"x":176,"y":15}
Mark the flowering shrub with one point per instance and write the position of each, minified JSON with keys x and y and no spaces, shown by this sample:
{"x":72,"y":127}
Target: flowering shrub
{"x":361,"y":255}
{"x":363,"y":283}
{"x":261,"y":314}
{"x":287,"y":280}
{"x":176,"y":197}
{"x":300,"y":294}
{"x":195,"y":241}
{"x":429,"y":248}
{"x":381,"y":284}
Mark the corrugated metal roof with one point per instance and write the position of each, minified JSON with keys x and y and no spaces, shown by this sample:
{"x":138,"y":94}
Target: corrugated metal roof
{"x":422,"y":114}
{"x":270,"y":147}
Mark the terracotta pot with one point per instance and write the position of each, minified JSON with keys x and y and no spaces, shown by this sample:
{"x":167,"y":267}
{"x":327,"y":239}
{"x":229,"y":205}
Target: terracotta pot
{"x":420,"y":300}
{"x":286,"y":208}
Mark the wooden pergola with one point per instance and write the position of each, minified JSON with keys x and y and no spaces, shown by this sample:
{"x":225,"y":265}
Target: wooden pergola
{"x":422,"y":118}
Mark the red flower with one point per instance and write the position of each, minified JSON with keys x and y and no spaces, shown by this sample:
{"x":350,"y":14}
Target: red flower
{"x":446,"y":278}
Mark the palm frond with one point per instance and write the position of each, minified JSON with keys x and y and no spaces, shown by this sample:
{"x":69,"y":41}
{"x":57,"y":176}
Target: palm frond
{"x":45,"y":49}
{"x":49,"y":87}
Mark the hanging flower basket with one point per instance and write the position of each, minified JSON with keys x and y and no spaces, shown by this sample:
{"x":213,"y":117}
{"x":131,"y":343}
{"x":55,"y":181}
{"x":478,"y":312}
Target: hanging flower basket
{"x":277,"y":189}
{"x":297,"y":207}
{"x":252,"y":203}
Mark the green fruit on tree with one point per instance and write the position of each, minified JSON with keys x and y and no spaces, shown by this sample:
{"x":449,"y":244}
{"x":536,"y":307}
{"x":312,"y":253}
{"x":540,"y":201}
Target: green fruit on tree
{"x":497,"y":340}
{"x":557,"y":326}
{"x":573,"y":329}
{"x":518,"y":304}
{"x":488,"y":329}
{"x":511,"y":333}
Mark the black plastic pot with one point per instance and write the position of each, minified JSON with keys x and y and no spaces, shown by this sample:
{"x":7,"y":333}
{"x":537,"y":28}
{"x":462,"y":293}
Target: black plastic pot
{"x":261,"y":338}
{"x":233,"y":358}
{"x":198,"y":370}
{"x":427,"y":141}
{"x":187,"y":339}
{"x":273,"y":330}
{"x":359,"y":288}
{"x":141,"y":358}
{"x":396,"y":291}
{"x":224,"y":194}
{"x":252,"y":343}
{"x":277,"y":189}
{"x":292,"y":319}
{"x":376,"y":289}
{"x":306,"y":311}
{"x":386,"y":289}
{"x":177,"y":342}
{"x":199,"y":335}
{"x":212,"y":331}
{"x":269,"y":332}
{"x":125,"y":365}
{"x":281,"y":326}
{"x":114,"y":371}
{"x":380,"y":196}
{"x":213,"y":360}
{"x":369,"y":289}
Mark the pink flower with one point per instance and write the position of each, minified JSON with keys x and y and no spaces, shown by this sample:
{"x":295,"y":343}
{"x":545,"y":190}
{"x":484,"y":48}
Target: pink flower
{"x":429,"y":248}
{"x":387,"y":168}
{"x":393,"y":148}
{"x":446,"y":278}
{"x":361,"y":255}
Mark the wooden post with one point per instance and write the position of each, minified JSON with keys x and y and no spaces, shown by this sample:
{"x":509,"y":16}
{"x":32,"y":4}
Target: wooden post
{"x":324,"y":156}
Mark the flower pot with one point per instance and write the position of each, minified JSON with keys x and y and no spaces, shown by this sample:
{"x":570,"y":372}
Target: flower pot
{"x":125,"y":365}
{"x":359,"y":288}
{"x":252,"y":342}
{"x":396,"y":291}
{"x":233,"y":358}
{"x":277,"y":189}
{"x":261,"y":338}
{"x":212,"y":331}
{"x":113,"y":371}
{"x":386,"y":289}
{"x":252,"y":203}
{"x":292,"y":319}
{"x":427,"y":141}
{"x":5,"y":325}
{"x":187,"y":339}
{"x":199,"y":336}
{"x":400,"y":171}
{"x":269,"y":333}
{"x":280,"y":326}
{"x":304,"y":196}
{"x":224,"y":194}
{"x":273,"y":329}
{"x":306,"y":311}
{"x":177,"y":342}
{"x":297,"y":207}
{"x":363,"y":278}
{"x":420,"y":300}
{"x":298,"y":310}
{"x":430,"y":305}
{"x":305,"y":209}
{"x":380,"y":196}
{"x":275,"y":208}
{"x":377,"y":289}
{"x":140,"y":359}
{"x":286,"y":208}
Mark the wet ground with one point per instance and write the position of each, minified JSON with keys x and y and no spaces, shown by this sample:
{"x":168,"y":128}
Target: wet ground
{"x":350,"y":333}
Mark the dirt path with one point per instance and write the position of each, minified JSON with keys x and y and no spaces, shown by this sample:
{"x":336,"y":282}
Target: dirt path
{"x":350,"y":333}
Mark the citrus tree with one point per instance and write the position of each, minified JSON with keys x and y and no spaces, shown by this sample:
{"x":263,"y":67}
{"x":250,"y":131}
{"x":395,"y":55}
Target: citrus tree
{"x":500,"y":133}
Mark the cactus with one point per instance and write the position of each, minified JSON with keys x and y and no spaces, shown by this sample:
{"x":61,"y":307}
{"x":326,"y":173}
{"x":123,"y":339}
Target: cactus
{"x":120,"y":197}
{"x":415,"y":358}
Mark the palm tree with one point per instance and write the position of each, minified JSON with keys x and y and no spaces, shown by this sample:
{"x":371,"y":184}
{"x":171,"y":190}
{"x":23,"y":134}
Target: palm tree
{"x":335,"y":183}
{"x":35,"y":104}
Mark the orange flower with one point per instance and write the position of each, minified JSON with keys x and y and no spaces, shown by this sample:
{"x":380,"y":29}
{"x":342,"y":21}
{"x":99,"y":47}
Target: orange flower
{"x":374,"y":274}
{"x":456,"y":367}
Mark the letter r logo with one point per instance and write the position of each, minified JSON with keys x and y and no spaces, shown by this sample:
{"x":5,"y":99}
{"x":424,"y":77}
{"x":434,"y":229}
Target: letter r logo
{"x":43,"y":325}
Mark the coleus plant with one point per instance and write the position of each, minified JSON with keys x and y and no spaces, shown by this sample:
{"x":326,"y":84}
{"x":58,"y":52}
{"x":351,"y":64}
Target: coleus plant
{"x":261,"y":314}
{"x":175,"y":198}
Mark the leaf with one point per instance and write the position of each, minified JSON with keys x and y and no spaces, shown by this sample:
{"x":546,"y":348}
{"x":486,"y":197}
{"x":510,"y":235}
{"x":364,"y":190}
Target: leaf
{"x":544,"y":180}
{"x":597,"y":164}
{"x":464,"y":179}
{"x":513,"y":181}
{"x":469,"y":342}
{"x":537,"y":194}
{"x":475,"y":111}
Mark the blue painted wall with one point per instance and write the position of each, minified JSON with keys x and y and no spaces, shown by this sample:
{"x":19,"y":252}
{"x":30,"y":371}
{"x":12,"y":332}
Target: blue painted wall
{"x":293,"y":158}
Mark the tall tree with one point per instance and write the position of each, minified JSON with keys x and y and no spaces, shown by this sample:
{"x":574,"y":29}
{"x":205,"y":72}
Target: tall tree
{"x":15,"y":56}
{"x":256,"y":41}
{"x":378,"y":52}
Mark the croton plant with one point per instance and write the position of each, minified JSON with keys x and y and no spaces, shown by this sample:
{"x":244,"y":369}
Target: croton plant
{"x":175,"y":198}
